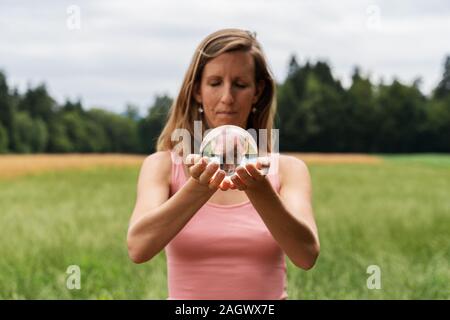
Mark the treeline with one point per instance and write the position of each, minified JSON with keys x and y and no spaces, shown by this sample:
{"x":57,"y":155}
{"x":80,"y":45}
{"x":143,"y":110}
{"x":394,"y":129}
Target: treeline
{"x":35,"y":123}
{"x":315,"y":113}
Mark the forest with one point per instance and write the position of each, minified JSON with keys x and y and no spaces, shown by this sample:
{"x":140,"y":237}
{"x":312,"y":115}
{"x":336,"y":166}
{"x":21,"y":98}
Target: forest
{"x":315,"y":113}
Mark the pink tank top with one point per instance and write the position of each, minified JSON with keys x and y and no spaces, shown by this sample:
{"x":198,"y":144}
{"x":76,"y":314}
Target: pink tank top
{"x":224,"y":252}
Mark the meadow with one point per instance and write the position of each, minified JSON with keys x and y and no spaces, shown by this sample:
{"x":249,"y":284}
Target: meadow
{"x":389,"y":211}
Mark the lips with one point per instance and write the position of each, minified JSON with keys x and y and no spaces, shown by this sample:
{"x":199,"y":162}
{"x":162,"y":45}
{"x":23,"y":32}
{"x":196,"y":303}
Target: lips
{"x":226,"y":113}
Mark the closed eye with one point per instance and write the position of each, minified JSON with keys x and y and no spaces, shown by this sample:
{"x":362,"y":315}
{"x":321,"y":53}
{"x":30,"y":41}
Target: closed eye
{"x":239,"y":85}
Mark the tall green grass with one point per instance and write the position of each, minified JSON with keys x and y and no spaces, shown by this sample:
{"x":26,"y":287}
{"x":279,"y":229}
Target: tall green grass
{"x":395,"y":215}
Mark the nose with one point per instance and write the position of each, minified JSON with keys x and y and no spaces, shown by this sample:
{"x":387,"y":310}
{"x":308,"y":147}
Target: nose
{"x":227,"y":95}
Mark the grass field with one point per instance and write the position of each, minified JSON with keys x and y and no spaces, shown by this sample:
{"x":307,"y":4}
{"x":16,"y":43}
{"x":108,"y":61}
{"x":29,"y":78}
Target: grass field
{"x":393,"y":212}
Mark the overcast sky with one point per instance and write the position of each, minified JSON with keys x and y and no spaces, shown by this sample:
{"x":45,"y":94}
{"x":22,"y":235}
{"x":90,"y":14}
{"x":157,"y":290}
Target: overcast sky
{"x":122,"y":52}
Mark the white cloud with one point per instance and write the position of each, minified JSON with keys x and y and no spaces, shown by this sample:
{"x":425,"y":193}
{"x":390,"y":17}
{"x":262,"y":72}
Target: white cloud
{"x":129,"y":51}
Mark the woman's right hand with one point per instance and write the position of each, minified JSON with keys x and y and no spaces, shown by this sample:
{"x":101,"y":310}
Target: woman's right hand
{"x":206,"y":173}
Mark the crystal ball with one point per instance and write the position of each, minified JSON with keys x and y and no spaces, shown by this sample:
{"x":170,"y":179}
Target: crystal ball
{"x":229,"y":146}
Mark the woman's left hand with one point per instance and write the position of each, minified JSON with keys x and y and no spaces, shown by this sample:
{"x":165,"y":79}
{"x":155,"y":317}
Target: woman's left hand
{"x":251,"y":176}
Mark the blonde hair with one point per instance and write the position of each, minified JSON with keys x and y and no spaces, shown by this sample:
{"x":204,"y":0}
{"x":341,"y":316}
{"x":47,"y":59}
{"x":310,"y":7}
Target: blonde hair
{"x":184,"y":110}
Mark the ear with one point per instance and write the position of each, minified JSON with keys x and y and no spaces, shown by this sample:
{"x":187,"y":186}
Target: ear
{"x":197,"y":93}
{"x":259,"y":90}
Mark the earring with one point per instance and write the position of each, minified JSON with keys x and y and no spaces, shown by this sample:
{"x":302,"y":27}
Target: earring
{"x":200,"y":109}
{"x":254,"y":110}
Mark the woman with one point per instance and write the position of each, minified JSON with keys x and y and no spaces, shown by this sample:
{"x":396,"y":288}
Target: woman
{"x":224,"y":238}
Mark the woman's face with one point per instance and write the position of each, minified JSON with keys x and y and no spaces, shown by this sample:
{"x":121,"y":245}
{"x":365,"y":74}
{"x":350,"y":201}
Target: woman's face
{"x":227,"y":90}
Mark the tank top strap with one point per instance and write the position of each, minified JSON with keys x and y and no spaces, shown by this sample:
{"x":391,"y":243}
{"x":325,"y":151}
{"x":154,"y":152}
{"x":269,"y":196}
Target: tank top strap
{"x":178,"y":177}
{"x":273,"y":174}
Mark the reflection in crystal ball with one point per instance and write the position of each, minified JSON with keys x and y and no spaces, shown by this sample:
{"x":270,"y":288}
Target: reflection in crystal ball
{"x":229,"y":146}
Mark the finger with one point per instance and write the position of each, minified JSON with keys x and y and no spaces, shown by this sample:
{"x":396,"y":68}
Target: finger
{"x":208,"y":173}
{"x":226,"y":184}
{"x":245,"y":177}
{"x":238,"y":182}
{"x":232,"y":186}
{"x":197,"y":169}
{"x":263,"y":164}
{"x":255,"y":173}
{"x":192,"y":159}
{"x":217,"y":180}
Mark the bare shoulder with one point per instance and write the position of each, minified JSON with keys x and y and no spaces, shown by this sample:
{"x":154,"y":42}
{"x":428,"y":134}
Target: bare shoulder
{"x":287,"y":163}
{"x":157,"y":166}
{"x":293,"y":169}
{"x":160,"y":157}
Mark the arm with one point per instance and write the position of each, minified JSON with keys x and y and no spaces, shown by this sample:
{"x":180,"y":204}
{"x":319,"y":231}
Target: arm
{"x":156,"y":218}
{"x":288,"y":216}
